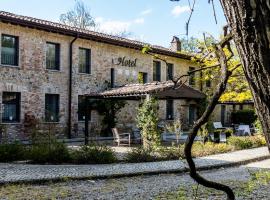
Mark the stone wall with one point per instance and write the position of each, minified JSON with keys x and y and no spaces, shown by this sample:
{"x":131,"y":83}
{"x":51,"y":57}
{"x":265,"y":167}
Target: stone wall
{"x":33,"y":80}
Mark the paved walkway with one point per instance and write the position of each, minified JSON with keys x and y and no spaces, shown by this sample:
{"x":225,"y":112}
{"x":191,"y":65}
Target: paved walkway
{"x":15,"y":173}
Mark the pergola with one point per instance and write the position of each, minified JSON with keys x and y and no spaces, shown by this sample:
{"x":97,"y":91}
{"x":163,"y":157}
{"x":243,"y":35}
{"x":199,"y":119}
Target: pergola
{"x":160,"y":90}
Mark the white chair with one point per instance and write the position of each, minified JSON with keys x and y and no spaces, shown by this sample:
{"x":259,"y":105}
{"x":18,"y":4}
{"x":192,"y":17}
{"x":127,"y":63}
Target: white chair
{"x":121,"y":138}
{"x":218,"y":125}
{"x":245,"y":129}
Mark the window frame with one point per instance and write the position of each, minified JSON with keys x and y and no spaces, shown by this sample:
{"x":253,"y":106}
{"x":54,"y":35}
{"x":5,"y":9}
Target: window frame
{"x":112,"y":78}
{"x":57,"y":114}
{"x":57,"y":61}
{"x":144,"y":76}
{"x":17,"y":45}
{"x":169,"y":109}
{"x":18,"y":107}
{"x":156,"y":69}
{"x":172,"y":71}
{"x":88,"y":60}
{"x":208,"y":83}
{"x":191,"y":80}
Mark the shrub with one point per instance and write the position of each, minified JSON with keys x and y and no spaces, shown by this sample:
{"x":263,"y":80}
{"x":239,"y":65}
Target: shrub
{"x":94,"y":155}
{"x":141,"y":155}
{"x":12,"y":152}
{"x":172,"y":153}
{"x":247,"y":142}
{"x":228,"y":132}
{"x":246,"y":116}
{"x":209,"y":148}
{"x":258,"y":141}
{"x":54,"y":152}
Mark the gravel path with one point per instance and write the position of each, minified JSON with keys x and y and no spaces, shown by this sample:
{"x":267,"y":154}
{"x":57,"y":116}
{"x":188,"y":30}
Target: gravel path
{"x":168,"y":186}
{"x":12,"y":173}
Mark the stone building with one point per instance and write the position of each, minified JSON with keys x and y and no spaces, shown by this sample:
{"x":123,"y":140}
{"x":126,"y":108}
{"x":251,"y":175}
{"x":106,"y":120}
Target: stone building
{"x":46,"y":69}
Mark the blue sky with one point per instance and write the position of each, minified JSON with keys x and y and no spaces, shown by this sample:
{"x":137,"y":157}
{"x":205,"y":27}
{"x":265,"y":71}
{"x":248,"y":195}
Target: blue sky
{"x":153,"y":21}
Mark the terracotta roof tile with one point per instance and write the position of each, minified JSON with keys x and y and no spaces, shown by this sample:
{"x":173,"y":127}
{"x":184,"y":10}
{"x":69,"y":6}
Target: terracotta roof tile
{"x":162,"y":90}
{"x":82,"y":33}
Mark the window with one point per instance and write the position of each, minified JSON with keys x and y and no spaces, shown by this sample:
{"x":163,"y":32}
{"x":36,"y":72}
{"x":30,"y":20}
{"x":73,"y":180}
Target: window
{"x":82,"y":108}
{"x":85,"y":61}
{"x":53,"y":56}
{"x":169,"y":110}
{"x":192,"y":114}
{"x":192,"y":76}
{"x":208,"y":83}
{"x":143,"y":77}
{"x":156,"y":71}
{"x":11,"y":107}
{"x":9,"y":50}
{"x":112,"y":78}
{"x":51,"y":107}
{"x":169,"y":72}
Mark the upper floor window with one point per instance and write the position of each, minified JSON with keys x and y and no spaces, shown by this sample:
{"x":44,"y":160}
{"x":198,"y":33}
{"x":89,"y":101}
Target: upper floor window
{"x":53,"y":56}
{"x":51,"y":107}
{"x":143,"y":77}
{"x":156,"y":71}
{"x":11,"y":107}
{"x":192,"y":76}
{"x":84,"y":60}
{"x":208,"y":83}
{"x":10,"y":50}
{"x":169,"y":72}
{"x":112,"y":78}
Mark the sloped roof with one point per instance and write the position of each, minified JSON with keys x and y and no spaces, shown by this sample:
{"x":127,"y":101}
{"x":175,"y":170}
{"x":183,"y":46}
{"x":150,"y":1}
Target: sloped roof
{"x":45,"y":25}
{"x":161,"y":90}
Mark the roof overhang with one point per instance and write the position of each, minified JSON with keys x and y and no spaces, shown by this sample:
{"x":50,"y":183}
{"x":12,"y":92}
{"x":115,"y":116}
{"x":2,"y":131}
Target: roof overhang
{"x":48,"y":26}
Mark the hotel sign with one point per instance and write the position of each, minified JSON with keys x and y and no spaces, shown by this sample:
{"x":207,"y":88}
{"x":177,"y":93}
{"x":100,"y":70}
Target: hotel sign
{"x":122,"y":61}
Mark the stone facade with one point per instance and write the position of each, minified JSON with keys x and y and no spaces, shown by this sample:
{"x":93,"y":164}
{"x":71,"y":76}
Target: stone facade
{"x":33,"y":80}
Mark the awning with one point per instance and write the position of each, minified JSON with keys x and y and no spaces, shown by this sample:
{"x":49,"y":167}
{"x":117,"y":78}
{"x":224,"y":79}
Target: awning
{"x":161,"y":90}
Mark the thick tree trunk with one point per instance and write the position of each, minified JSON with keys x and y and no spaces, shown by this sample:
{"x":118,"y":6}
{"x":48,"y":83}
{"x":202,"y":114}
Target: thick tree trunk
{"x":249,"y":21}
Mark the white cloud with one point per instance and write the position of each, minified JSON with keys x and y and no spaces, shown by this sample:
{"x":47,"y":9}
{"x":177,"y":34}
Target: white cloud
{"x":113,"y":26}
{"x":178,"y":10}
{"x":139,"y":21}
{"x":146,"y":12}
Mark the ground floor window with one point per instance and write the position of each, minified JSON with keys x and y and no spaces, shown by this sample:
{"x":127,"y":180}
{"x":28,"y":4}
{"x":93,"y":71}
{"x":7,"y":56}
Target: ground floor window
{"x":169,"y":110}
{"x":192,"y":114}
{"x":51,"y":107}
{"x":11,"y":107}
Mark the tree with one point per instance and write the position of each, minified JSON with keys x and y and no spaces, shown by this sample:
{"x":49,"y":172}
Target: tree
{"x":147,"y":119}
{"x":249,"y":22}
{"x":79,"y":17}
{"x":219,"y":56}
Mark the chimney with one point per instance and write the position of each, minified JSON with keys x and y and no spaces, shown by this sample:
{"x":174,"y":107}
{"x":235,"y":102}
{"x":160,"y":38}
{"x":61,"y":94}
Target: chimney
{"x":175,"y":44}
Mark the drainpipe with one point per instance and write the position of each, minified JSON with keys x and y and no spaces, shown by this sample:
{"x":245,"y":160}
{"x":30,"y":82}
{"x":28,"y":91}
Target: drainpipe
{"x":70,"y":86}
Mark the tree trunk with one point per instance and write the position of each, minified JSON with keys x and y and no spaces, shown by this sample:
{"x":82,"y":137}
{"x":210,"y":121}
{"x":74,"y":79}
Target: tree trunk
{"x":249,"y":21}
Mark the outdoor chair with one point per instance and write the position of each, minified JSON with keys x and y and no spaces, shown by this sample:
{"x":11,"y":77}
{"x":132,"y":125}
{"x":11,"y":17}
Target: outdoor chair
{"x":218,"y":125}
{"x":243,"y":130}
{"x":123,"y":138}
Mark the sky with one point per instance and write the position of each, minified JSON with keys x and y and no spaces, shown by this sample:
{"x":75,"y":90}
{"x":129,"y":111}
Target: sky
{"x":152,"y":21}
